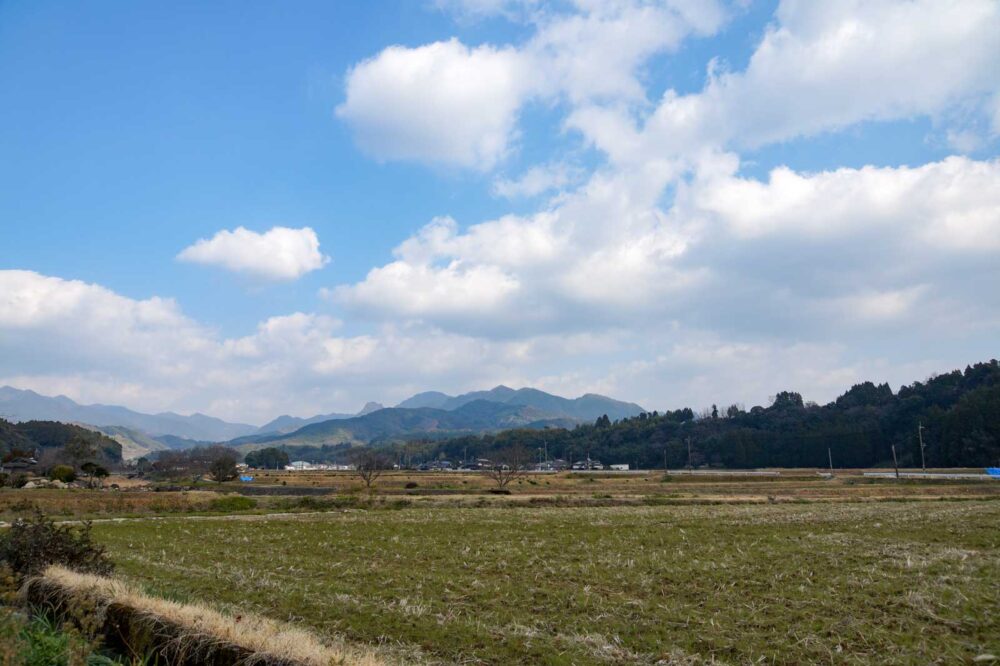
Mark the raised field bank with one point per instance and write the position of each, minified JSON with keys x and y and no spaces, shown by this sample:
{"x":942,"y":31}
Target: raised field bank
{"x":569,"y":568}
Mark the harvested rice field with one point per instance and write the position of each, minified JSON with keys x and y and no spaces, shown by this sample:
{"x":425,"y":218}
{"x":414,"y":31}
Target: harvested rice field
{"x":842,"y":583}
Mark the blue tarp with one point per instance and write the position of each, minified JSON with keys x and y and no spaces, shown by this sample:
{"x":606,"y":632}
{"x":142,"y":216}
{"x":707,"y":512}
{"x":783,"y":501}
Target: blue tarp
{"x":246,"y":479}
{"x":993,"y":471}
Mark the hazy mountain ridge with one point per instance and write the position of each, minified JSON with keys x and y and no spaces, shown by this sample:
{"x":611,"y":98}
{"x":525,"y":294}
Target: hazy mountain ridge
{"x":585,"y":408}
{"x":432,"y":413}
{"x":286,"y":423}
{"x":136,"y":444}
{"x":26,"y":405}
{"x":401,"y":422}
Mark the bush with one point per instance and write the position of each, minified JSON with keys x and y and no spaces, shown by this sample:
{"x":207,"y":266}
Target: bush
{"x":499,"y":491}
{"x":32,"y":544}
{"x":19,"y":480}
{"x":318,"y":503}
{"x":410,"y":485}
{"x":234,"y":503}
{"x":63,"y":473}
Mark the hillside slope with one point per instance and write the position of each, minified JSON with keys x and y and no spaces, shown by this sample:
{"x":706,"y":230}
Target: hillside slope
{"x":37,"y":436}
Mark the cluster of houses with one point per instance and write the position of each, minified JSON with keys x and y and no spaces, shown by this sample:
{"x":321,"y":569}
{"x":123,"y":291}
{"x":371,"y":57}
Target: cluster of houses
{"x":557,"y":465}
{"x":302,"y":465}
{"x":20,"y":464}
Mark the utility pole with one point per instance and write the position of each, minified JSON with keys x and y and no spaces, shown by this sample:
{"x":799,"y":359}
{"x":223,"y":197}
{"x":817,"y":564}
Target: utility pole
{"x":920,"y":434}
{"x":895,"y":463}
{"x":664,"y":459}
{"x":829,"y":455}
{"x":689,"y":453}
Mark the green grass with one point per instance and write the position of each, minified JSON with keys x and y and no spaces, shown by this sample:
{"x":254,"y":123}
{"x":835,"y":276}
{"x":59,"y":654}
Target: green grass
{"x":36,"y":641}
{"x":785,"y":583}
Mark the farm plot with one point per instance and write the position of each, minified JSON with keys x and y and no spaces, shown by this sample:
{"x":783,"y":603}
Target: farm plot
{"x":787,"y":583}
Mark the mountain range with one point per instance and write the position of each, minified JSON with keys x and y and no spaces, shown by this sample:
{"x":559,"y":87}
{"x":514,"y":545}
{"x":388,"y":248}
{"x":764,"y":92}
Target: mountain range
{"x":405,"y":422}
{"x":585,"y":408}
{"x":432,"y":413}
{"x":23,"y":405}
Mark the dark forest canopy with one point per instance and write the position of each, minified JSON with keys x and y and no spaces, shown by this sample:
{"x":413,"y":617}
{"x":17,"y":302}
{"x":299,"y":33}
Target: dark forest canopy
{"x":960,"y":412}
{"x":49,"y":439}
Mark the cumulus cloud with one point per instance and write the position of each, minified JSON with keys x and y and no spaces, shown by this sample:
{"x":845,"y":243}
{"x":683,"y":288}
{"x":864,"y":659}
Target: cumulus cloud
{"x":449,"y":103}
{"x":280,"y":253}
{"x":443,"y":102}
{"x":864,"y":237}
{"x":822,"y":67}
{"x":953,"y":204}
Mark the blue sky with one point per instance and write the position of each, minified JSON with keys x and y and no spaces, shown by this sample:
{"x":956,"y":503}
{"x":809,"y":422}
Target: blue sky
{"x":580,"y":196}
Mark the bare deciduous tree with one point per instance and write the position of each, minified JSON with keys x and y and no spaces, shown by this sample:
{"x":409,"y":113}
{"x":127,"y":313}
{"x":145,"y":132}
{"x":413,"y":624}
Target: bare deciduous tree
{"x":508,"y":465}
{"x":369,"y":465}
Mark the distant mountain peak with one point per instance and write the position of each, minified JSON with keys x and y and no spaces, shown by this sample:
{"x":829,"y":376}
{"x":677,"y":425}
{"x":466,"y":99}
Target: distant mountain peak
{"x":370,"y":407}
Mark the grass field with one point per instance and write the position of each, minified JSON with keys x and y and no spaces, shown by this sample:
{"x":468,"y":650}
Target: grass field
{"x":843,"y":582}
{"x":283,"y":491}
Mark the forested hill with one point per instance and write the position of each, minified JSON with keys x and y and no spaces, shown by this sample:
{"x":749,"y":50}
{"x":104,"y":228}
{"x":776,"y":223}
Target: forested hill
{"x":960,"y":412}
{"x":38,"y":437}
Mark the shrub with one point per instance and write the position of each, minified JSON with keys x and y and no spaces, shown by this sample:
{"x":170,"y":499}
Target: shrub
{"x":411,"y":485}
{"x":19,"y":480}
{"x":31,"y":544}
{"x":234,"y":503}
{"x":499,"y":491}
{"x":318,"y":503}
{"x":63,"y":473}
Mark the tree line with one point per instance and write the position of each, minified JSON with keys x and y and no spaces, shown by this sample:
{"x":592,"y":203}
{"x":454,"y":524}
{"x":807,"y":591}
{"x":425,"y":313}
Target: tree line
{"x":959,"y":413}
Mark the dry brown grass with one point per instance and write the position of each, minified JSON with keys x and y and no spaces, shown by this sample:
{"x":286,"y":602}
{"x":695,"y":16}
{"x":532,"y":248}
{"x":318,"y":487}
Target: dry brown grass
{"x":81,"y":502}
{"x":791,"y":484}
{"x":269,"y":641}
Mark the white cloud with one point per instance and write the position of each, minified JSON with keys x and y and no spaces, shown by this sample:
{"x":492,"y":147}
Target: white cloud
{"x":449,"y":103}
{"x":280,"y":253}
{"x":443,"y":102}
{"x":949,"y":205}
{"x":402,"y":289}
{"x":594,"y":54}
{"x":808,"y":248}
{"x":822,"y":67}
